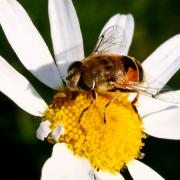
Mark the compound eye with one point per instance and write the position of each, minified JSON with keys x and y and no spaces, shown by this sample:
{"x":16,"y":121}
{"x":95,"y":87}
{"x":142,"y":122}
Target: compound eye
{"x":86,"y":82}
{"x":73,"y":74}
{"x":74,"y":66}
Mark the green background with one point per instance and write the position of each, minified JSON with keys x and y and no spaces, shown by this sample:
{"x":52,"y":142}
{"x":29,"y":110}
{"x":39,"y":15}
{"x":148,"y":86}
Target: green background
{"x":22,"y":155}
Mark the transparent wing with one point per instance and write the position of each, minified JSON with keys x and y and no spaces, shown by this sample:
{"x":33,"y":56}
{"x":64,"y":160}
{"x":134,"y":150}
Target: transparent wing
{"x":112,"y":40}
{"x":165,"y":94}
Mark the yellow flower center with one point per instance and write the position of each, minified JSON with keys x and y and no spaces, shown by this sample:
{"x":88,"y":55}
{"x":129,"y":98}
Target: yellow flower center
{"x":107,"y":131}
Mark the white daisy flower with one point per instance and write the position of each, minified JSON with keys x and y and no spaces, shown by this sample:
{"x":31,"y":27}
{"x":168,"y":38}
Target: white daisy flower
{"x":86,"y":148}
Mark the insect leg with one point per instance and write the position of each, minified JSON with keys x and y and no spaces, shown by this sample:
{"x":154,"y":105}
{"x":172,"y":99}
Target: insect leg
{"x":115,"y":89}
{"x":134,"y":102}
{"x":107,"y":106}
{"x":94,"y":96}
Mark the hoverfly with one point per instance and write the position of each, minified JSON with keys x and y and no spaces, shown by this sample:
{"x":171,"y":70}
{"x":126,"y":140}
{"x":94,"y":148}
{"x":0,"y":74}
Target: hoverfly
{"x":105,"y":71}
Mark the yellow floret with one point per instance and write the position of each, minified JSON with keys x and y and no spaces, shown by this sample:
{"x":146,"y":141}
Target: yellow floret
{"x":107,"y":131}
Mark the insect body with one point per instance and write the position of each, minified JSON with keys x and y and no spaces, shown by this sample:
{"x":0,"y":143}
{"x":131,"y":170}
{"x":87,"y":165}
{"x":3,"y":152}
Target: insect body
{"x":104,"y":72}
{"x":107,"y":70}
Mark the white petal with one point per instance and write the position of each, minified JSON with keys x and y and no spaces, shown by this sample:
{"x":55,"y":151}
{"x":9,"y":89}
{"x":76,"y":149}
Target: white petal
{"x":28,"y":44}
{"x":132,"y":96}
{"x":140,"y":171}
{"x":126,"y":23}
{"x":172,"y":97}
{"x":100,"y":175}
{"x":163,"y":123}
{"x":57,"y":132}
{"x":148,"y":106}
{"x":64,"y":165}
{"x":17,"y":88}
{"x":43,"y":130}
{"x":162,"y":64}
{"x":65,"y":33}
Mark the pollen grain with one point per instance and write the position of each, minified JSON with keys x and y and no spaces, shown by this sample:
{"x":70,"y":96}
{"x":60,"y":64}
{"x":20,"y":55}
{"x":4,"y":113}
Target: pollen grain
{"x":107,"y":131}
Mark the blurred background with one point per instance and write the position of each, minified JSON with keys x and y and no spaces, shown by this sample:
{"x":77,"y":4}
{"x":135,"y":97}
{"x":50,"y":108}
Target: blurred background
{"x":22,"y":155}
